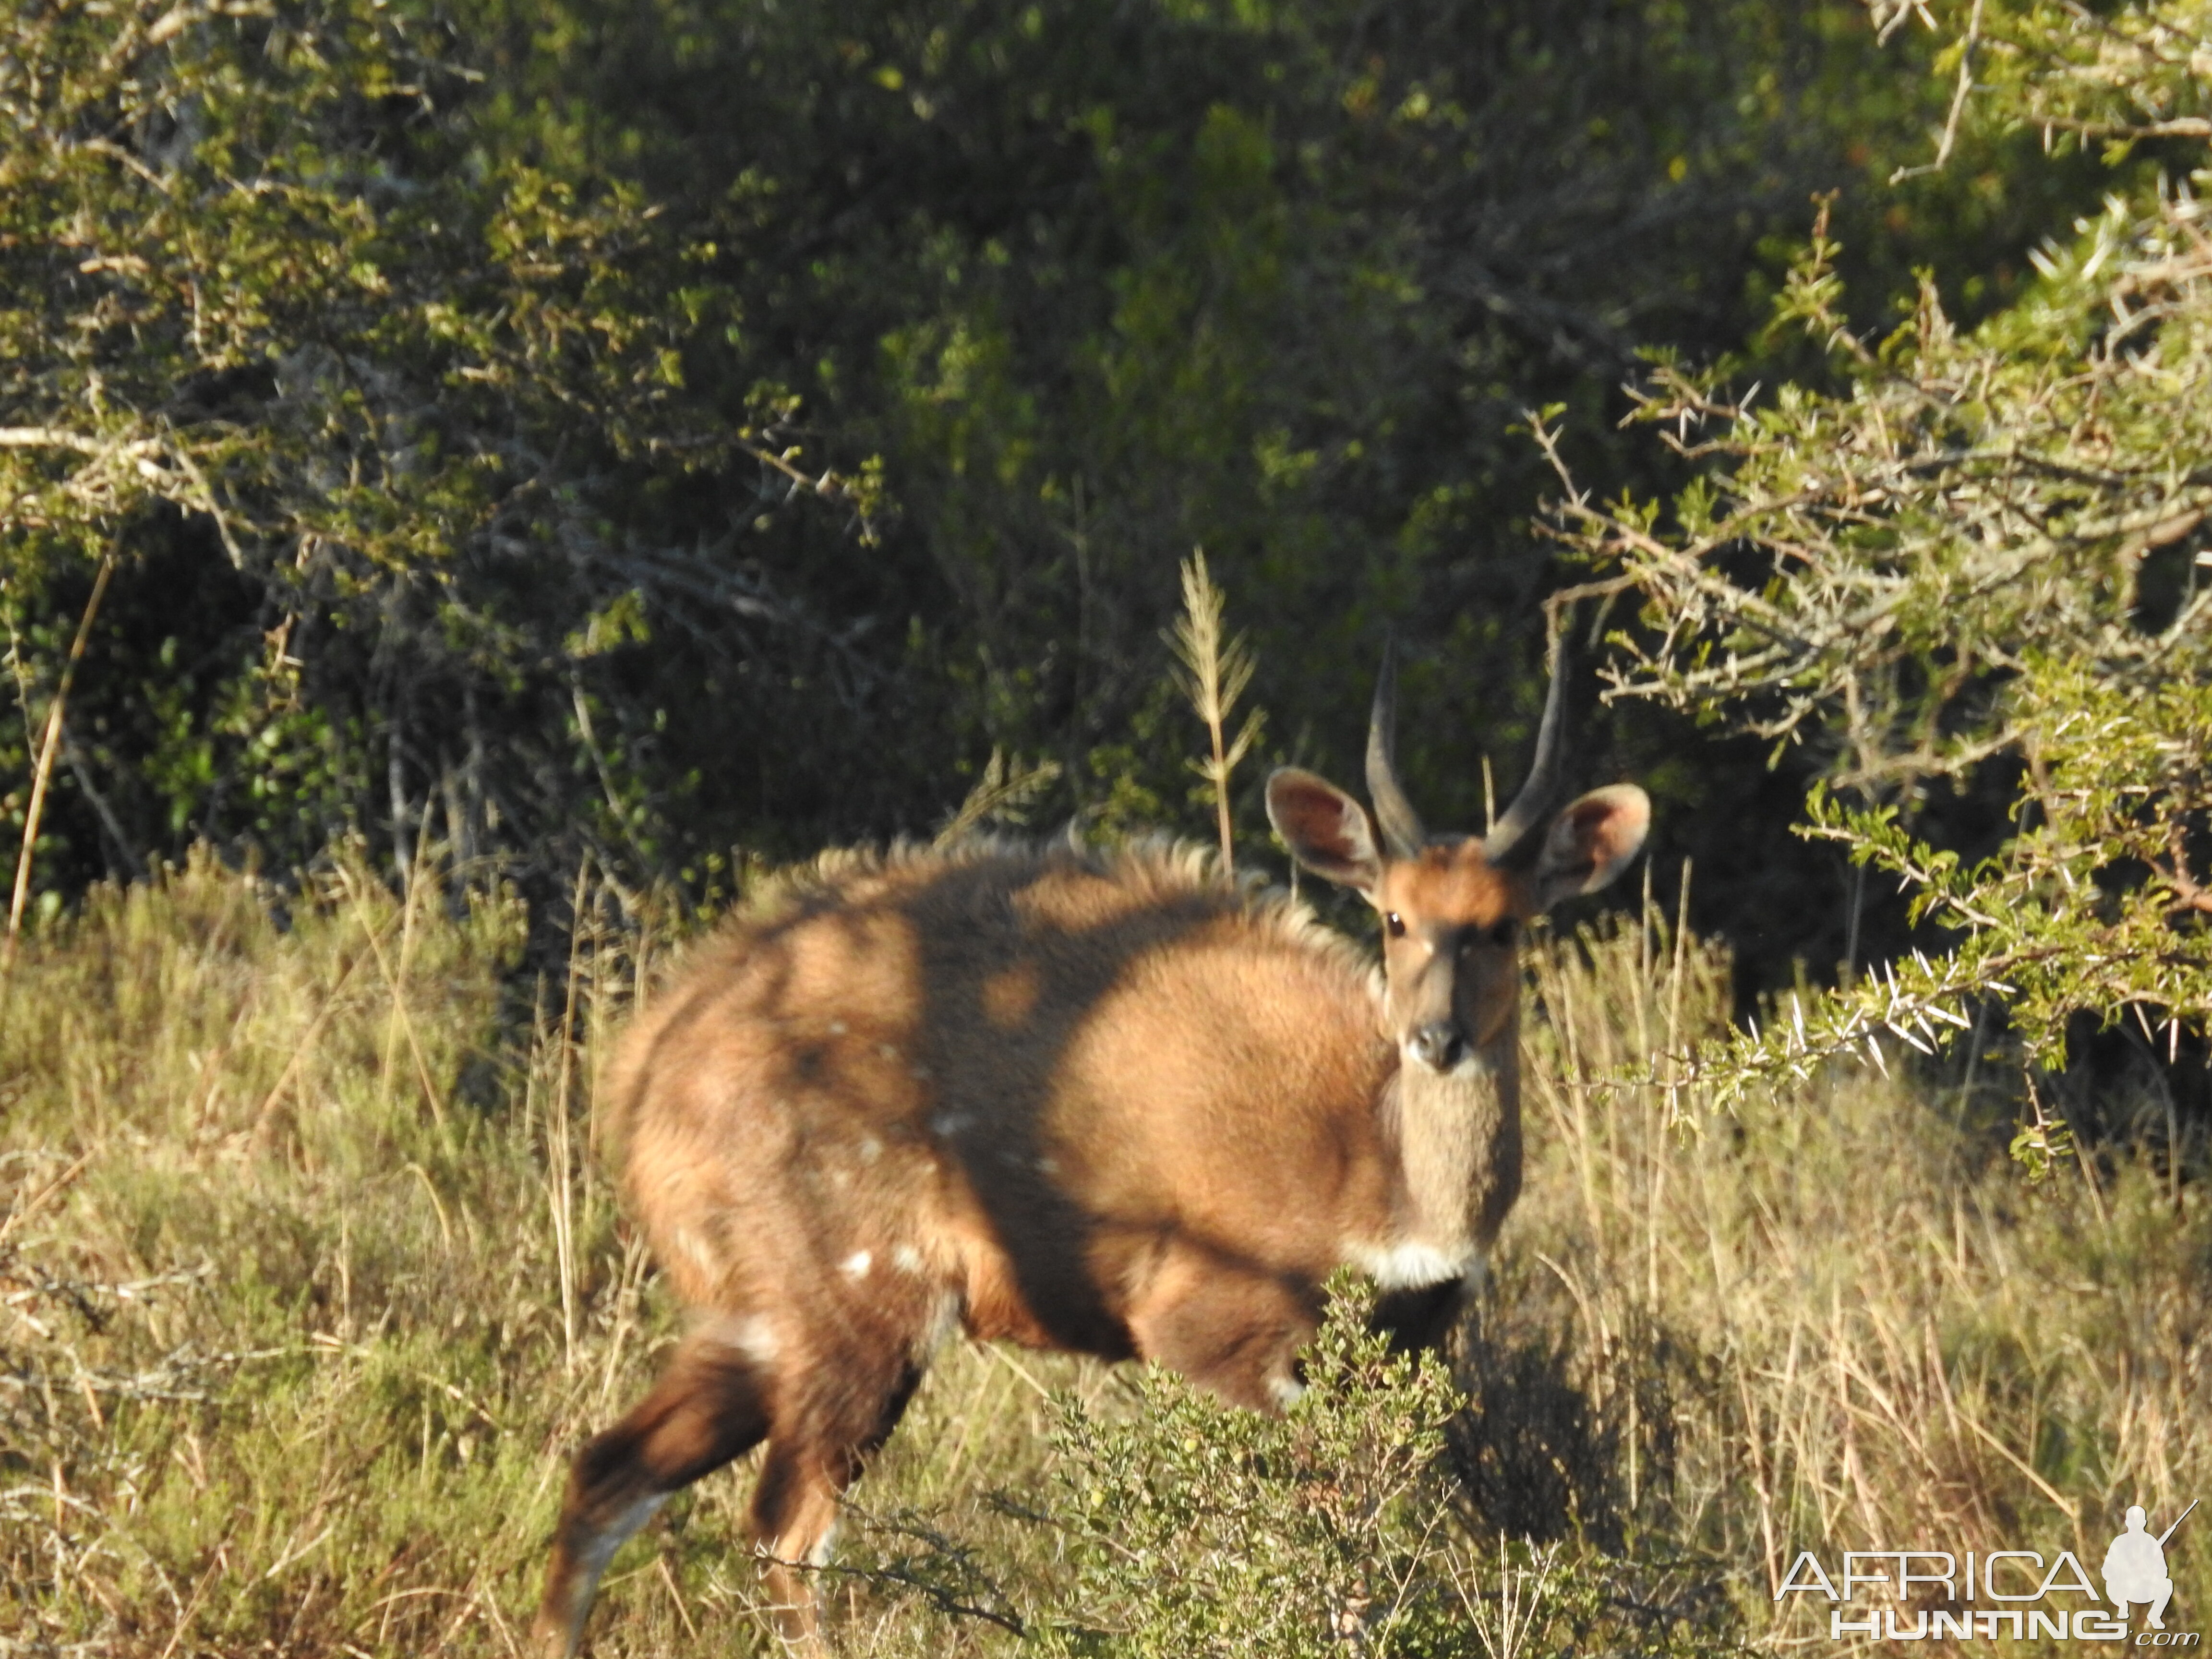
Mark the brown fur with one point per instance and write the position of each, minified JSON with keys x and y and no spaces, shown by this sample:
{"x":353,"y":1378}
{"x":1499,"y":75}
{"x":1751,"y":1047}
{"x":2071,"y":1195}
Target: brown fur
{"x":1099,"y":1105}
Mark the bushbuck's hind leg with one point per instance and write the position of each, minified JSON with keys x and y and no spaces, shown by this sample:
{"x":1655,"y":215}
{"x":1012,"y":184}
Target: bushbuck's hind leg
{"x":819,"y":1449}
{"x":1235,"y":1330}
{"x":708,"y":1407}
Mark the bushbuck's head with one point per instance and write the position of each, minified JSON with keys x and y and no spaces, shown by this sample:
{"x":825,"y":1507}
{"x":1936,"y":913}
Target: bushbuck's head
{"x":1453,"y":906}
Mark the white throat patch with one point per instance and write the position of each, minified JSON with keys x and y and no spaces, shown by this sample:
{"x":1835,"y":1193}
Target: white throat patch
{"x":1407,"y":1266}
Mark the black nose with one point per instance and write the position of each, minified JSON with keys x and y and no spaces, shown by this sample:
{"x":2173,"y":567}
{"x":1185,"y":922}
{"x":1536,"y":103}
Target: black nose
{"x":1439,"y":1046}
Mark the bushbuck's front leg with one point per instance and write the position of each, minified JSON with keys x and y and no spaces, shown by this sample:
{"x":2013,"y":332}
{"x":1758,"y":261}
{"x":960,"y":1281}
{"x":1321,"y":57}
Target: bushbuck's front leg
{"x":1236,"y":1329}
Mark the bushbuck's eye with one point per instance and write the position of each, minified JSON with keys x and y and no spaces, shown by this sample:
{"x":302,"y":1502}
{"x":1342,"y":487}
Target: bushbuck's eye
{"x":1396,"y":923}
{"x":1502,"y":934}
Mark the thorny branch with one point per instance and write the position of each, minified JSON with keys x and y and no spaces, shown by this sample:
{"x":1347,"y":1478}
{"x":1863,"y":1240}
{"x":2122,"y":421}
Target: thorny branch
{"x":1946,"y":565}
{"x":944,"y":1571}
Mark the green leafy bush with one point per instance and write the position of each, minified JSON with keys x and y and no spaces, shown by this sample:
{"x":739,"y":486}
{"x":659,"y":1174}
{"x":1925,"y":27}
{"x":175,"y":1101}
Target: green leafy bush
{"x":1976,"y":564}
{"x":1193,"y":1528}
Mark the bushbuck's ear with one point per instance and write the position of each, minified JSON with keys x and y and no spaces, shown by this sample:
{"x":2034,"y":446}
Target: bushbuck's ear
{"x":1326,"y":830}
{"x":1591,"y":842}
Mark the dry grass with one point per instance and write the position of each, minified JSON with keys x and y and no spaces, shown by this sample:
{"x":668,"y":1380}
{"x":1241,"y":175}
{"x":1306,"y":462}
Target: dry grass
{"x":310,"y":1276}
{"x":1846,"y":1320}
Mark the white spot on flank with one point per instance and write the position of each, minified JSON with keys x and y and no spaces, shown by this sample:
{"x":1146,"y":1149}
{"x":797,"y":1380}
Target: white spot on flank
{"x":888,"y":1050}
{"x":1286,"y":1390}
{"x":837,"y":1028}
{"x":750,"y":1334}
{"x":870,"y":1149}
{"x":1048,"y":1166}
{"x":1403,"y":1267}
{"x":856,"y":1265}
{"x":921,"y":1073}
{"x":948,"y":1123}
{"x":907,"y":1259}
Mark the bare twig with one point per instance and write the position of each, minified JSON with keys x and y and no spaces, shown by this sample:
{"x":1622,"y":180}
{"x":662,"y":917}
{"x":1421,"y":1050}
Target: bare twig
{"x":81,"y":769}
{"x":1957,"y":102}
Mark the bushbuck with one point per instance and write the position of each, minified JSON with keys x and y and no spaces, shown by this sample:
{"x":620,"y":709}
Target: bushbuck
{"x":1104,"y":1104}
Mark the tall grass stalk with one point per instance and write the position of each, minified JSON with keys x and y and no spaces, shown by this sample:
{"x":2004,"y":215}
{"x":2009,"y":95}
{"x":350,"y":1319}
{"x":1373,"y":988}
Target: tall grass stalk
{"x":1857,"y":1323}
{"x":1214,"y":672}
{"x":1005,"y":792}
{"x":42,"y":768}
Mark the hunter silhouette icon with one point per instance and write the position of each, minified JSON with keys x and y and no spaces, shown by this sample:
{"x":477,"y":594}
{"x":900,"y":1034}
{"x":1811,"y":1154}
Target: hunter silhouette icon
{"x":2134,"y":1568}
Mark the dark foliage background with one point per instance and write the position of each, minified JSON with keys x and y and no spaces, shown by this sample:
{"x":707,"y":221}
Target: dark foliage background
{"x":710,"y":430}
